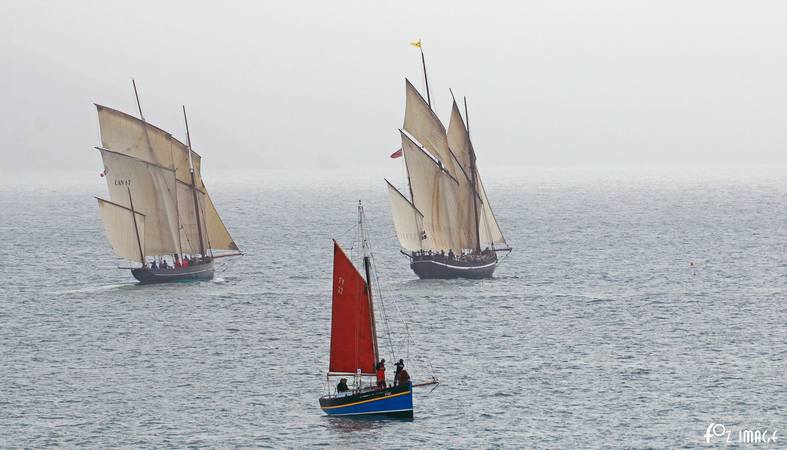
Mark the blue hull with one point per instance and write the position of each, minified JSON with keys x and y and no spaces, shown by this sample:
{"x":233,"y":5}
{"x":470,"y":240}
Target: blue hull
{"x":393,"y":401}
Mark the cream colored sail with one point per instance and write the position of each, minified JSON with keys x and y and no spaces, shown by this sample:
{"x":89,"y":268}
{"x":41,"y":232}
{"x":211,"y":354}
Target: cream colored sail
{"x":460,"y":146}
{"x":130,"y":136}
{"x":408,"y":221}
{"x":435,"y":194}
{"x":422,"y":123}
{"x":458,"y":141}
{"x":218,"y":234}
{"x":189,"y":235}
{"x":452,"y":210}
{"x":489,"y":230}
{"x":122,"y":232}
{"x":151,"y":188}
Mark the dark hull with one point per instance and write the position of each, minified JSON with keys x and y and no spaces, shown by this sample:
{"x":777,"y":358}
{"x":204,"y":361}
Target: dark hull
{"x":431,"y":269}
{"x":394,"y":401}
{"x":201,"y":272}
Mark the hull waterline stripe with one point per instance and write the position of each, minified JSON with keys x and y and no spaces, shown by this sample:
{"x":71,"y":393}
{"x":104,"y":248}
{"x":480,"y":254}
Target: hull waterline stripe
{"x":374,"y":412}
{"x":454,"y":267}
{"x":178,"y":274}
{"x":367,"y":401}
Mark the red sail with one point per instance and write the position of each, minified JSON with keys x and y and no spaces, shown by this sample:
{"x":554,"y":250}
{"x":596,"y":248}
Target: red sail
{"x":352,"y":339}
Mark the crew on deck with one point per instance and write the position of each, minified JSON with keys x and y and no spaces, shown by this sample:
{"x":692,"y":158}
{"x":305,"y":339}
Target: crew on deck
{"x":399,"y":367}
{"x":402,"y":378}
{"x":465,"y":255}
{"x":380,"y":371}
{"x":178,"y":261}
{"x":342,"y":386}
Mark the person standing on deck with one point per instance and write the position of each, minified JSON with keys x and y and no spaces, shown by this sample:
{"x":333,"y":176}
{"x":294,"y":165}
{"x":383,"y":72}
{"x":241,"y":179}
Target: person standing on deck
{"x":381,"y":373}
{"x":402,"y":378}
{"x":399,"y":366}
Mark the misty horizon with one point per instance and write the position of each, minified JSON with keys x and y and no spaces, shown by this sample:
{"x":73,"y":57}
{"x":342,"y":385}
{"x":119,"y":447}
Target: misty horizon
{"x":321,"y":86}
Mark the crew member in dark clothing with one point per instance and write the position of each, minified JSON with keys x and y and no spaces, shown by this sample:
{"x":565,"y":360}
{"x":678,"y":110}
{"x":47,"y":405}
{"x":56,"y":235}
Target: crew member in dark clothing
{"x":399,"y":366}
{"x":402,"y":378}
{"x":153,"y":265}
{"x":342,"y":386}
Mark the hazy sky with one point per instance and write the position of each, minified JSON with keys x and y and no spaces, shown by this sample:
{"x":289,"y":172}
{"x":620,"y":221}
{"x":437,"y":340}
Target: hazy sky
{"x":290,"y":84}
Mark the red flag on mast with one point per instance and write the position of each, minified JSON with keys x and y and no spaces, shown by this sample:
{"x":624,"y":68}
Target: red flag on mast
{"x":396,"y":154}
{"x":352,"y":340}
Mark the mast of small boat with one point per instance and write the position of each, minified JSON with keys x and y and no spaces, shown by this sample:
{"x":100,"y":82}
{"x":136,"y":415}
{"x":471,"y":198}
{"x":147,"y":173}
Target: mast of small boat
{"x":194,"y":187}
{"x":367,"y":270}
{"x":473,"y":171}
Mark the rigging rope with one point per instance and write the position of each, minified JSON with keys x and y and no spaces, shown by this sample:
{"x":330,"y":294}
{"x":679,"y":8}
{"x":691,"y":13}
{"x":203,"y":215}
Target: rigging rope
{"x":408,"y":336}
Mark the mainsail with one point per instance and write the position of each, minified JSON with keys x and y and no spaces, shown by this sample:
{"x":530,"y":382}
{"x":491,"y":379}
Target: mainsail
{"x":146,"y":165}
{"x":353,"y":341}
{"x":445,"y":185}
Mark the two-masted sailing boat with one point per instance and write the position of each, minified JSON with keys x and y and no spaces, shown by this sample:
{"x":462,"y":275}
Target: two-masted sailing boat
{"x":446,"y":223}
{"x":354,"y":351}
{"x":159,"y":213}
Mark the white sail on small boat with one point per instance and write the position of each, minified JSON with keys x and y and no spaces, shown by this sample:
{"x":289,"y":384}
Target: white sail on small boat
{"x":158,"y":206}
{"x":446,"y":223}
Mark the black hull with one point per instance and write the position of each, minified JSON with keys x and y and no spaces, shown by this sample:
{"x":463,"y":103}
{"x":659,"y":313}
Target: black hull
{"x":200,"y":272}
{"x":430,"y":269}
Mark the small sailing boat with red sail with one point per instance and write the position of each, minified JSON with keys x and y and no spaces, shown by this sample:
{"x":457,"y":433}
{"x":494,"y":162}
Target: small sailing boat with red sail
{"x":354,"y":351}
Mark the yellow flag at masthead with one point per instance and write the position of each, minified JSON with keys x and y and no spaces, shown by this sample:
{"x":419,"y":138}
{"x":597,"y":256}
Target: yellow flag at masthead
{"x":416,"y":43}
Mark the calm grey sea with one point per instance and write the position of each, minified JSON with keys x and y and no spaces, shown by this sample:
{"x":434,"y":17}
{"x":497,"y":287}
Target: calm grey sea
{"x":596,"y":332}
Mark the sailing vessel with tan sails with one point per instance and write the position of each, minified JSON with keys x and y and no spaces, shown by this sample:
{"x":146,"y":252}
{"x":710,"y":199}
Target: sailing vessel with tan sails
{"x":159,"y":213}
{"x":446,"y":224}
